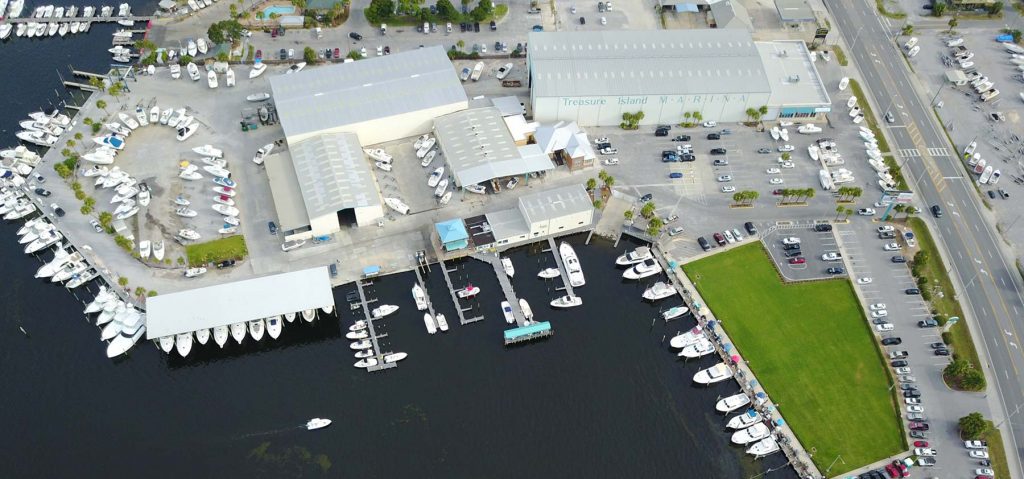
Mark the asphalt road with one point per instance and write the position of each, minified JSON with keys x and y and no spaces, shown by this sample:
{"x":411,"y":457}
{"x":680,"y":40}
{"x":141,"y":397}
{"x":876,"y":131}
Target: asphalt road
{"x":992,"y":286}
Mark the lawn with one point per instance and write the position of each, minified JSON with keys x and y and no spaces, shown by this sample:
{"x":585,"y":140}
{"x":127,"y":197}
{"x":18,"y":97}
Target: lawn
{"x":232,"y":247}
{"x":811,"y":349}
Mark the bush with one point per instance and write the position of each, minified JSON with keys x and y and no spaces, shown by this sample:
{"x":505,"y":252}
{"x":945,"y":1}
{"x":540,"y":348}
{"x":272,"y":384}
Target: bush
{"x":973,"y":425}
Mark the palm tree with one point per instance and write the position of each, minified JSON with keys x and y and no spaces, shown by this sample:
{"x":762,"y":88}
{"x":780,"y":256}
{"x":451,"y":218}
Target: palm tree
{"x":609,"y":181}
{"x":102,"y":105}
{"x":847,"y":212}
{"x":752,"y":196}
{"x":751,"y":114}
{"x":953,"y":24}
{"x":738,"y":197}
{"x":839,"y":211}
{"x":591,"y":184}
{"x":808,"y":194}
{"x":843,"y":191}
{"x":856,"y":192}
{"x":762,"y":111}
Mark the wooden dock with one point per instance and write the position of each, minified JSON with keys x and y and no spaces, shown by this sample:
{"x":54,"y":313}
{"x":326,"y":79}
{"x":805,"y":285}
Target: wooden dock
{"x":379,"y":355}
{"x":506,"y":285}
{"x":566,"y":286}
{"x":134,"y":18}
{"x":463,"y":320}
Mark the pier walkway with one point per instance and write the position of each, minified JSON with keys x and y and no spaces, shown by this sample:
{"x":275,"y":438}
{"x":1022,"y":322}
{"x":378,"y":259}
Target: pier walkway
{"x":133,"y":18}
{"x":566,"y":286}
{"x":506,"y":285}
{"x":378,"y":354}
{"x":463,"y":320}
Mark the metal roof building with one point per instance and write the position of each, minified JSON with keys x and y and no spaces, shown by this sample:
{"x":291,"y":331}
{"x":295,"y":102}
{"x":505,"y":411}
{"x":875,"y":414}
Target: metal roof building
{"x":548,"y":212}
{"x":593,"y":77}
{"x":379,"y":99}
{"x":794,"y":11}
{"x":237,"y":302}
{"x":797,"y":89}
{"x":478,"y":147}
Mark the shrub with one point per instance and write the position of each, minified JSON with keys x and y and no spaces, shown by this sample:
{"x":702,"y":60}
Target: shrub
{"x":973,"y":425}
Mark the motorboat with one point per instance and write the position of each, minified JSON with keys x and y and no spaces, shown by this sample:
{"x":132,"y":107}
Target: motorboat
{"x":506,"y":264}
{"x":380,"y":165}
{"x":985,"y":175}
{"x":384,"y":310}
{"x":419,"y":296}
{"x":692,"y":336}
{"x":166,"y":343}
{"x":548,"y":273}
{"x":435,"y":177}
{"x":224,"y":191}
{"x":186,"y":212}
{"x":110,"y":310}
{"x":445,"y":198}
{"x":145,"y":248}
{"x":118,"y":128}
{"x":511,"y":185}
{"x":225,"y":209}
{"x":217,"y":171}
{"x":82,"y":278}
{"x":360,"y":334}
{"x":527,"y":311}
{"x":238,"y":332}
{"x":308,"y":315}
{"x":478,"y":189}
{"x":843,"y":83}
{"x":649,"y":267}
{"x":468,"y":292}
{"x":850,"y":102}
{"x":224,"y":200}
{"x":638,"y":255}
{"x":715,"y":374}
{"x":140,"y":114}
{"x":128,"y":120}
{"x":362,"y":344}
{"x":659,"y":290}
{"x":274,"y":326}
{"x":45,"y":240}
{"x":295,"y":68}
{"x":506,"y":309}
{"x":37,"y":138}
{"x":980,"y":166}
{"x":103,"y":297}
{"x":428,"y":158}
{"x":419,"y":141}
{"x":203,"y":335}
{"x":441,"y":188}
{"x":395,"y":357}
{"x":366,"y":362}
{"x":428,"y":321}
{"x":256,"y":71}
{"x":123,"y":342}
{"x":784,"y":134}
{"x":211,"y":79}
{"x":194,"y":272}
{"x":572,"y":265}
{"x":357,"y":326}
{"x":225,"y":182}
{"x":702,"y":347}
{"x":233,"y":221}
{"x":397,"y":205}
{"x":191,"y":48}
{"x":567,"y":301}
{"x":744,"y":420}
{"x":764,"y":447}
{"x":261,"y":154}
{"x":365,"y":353}
{"x":183,"y":343}
{"x":193,"y":71}
{"x":751,"y":434}
{"x":442,"y":323}
{"x":229,"y":78}
{"x":190,"y":174}
{"x":202,"y":46}
{"x":256,"y":328}
{"x":808,"y":129}
{"x":995,"y":177}
{"x":774,"y":133}
{"x":255,"y":97}
{"x":67,"y":271}
{"x":186,"y":132}
{"x":378,"y":154}
{"x":734,"y":402}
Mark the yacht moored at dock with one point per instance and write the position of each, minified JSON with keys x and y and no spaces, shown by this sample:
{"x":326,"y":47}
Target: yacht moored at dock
{"x":717,"y":373}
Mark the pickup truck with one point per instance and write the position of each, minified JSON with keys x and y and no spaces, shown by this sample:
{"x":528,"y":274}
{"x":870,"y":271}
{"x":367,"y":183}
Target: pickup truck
{"x":511,"y":83}
{"x":831,"y":256}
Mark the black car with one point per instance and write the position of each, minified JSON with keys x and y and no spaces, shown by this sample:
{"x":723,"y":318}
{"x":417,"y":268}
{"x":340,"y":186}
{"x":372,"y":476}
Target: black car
{"x":583,"y":21}
{"x":835,"y":270}
{"x":714,"y":136}
{"x":42,"y":191}
{"x":284,"y":54}
{"x":57,"y":210}
{"x":892,"y":341}
{"x":898,"y":259}
{"x":272,"y":227}
{"x":328,"y":53}
{"x":494,"y":26}
{"x":750,"y":228}
{"x":688,"y":157}
{"x":992,"y":194}
{"x":886,"y":234}
{"x":462,"y":27}
{"x":937,"y":211}
{"x":681,"y":138}
{"x":355,"y":36}
{"x":912,"y":394}
{"x":942,"y":352}
{"x":226,"y":264}
{"x":661,"y":132}
{"x":793,"y":253}
{"x":704,"y":245}
{"x":912,"y":291}
{"x":927,"y":323}
{"x":789,"y":247}
{"x":880,"y":321}
{"x":918,"y":435}
{"x":601,"y":146}
{"x":333,"y":268}
{"x":764,"y":151}
{"x":476,"y":26}
{"x":822,"y":227}
{"x":646,"y":198}
{"x":718,"y":151}
{"x":899,"y":363}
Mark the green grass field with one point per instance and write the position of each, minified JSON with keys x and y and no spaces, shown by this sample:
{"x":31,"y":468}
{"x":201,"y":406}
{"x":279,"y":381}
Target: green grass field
{"x":232,"y":247}
{"x":811,"y":349}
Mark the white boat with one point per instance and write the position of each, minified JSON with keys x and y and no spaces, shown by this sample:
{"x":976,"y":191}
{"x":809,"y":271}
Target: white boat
{"x":441,"y":188}
{"x":176,"y":118}
{"x":808,"y":129}
{"x":220,"y":335}
{"x":995,"y":177}
{"x":229,"y":78}
{"x":224,"y":191}
{"x":145,"y":247}
{"x":45,"y":240}
{"x":692,"y":336}
{"x":256,"y":328}
{"x":419,"y":141}
{"x":638,"y":255}
{"x":167,"y":343}
{"x":419,"y":296}
{"x":527,"y":311}
{"x":445,"y":198}
{"x":224,"y":200}
{"x":843,"y":83}
{"x":428,"y":320}
{"x":506,"y":309}
{"x":186,"y":212}
{"x":183,"y":343}
{"x":478,"y":189}
{"x":395,"y":357}
{"x":442,"y":323}
{"x":383,"y":310}
{"x":69,"y":270}
{"x":566,"y":301}
{"x":382,"y":166}
{"x":753,"y":433}
{"x":428,"y":158}
{"x":225,"y":209}
{"x":734,"y":402}
{"x":258,"y":96}
{"x":435,"y":177}
{"x":192,"y":48}
{"x":194,"y":272}
{"x":186,"y":132}
{"x":217,"y":171}
{"x":851,"y":102}
{"x":784,"y":134}
{"x":308,"y":315}
{"x":549,"y":273}
{"x":360,"y":334}
{"x":366,"y":362}
{"x":397,"y":205}
{"x":572,"y":265}
{"x":295,"y":68}
{"x":365,"y":353}
{"x":468,"y":292}
{"x":274,"y":326}
{"x":261,"y":154}
{"x":659,"y":290}
{"x":985,"y":175}
{"x":715,"y":374}
{"x":203,"y":335}
{"x":378,"y":154}
{"x":980,"y":166}
{"x":649,"y":267}
{"x":775,"y":133}
{"x":506,"y":264}
{"x":702,"y":347}
{"x":123,"y":342}
{"x":82,"y":278}
{"x":238,"y":332}
{"x":764,"y":447}
{"x":211,"y":79}
{"x":103,"y":297}
{"x":744,"y":420}
{"x":202,"y":46}
{"x":193,"y":71}
{"x":317,"y":423}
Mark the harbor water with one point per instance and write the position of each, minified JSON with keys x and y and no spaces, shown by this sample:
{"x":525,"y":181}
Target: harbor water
{"x":603,"y":397}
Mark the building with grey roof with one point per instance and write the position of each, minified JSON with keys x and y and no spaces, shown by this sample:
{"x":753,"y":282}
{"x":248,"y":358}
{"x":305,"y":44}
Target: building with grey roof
{"x":797,"y":89}
{"x":379,"y":99}
{"x":536,"y":215}
{"x":794,"y":11}
{"x":322,"y":182}
{"x":593,"y":77}
{"x":478,"y":147}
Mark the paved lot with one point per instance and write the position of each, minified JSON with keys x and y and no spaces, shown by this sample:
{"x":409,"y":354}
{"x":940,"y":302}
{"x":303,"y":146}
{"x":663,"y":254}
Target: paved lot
{"x":812,"y":243}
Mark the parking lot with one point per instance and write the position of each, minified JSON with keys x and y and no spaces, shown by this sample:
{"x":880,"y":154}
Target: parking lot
{"x":813,"y":244}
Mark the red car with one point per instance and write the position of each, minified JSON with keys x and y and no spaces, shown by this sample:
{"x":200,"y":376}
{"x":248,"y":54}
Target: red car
{"x":337,"y":52}
{"x":892,"y":471}
{"x":797,"y":260}
{"x":273,"y":33}
{"x":259,"y":54}
{"x":920,"y":443}
{"x":777,"y":192}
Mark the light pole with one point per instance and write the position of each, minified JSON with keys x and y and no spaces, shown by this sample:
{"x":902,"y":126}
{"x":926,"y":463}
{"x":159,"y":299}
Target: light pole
{"x":855,"y":38}
{"x":1007,"y":418}
{"x":980,"y":271}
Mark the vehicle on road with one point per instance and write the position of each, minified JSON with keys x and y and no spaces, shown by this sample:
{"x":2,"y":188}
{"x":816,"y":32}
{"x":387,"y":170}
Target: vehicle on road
{"x":937,"y":211}
{"x":96,"y":225}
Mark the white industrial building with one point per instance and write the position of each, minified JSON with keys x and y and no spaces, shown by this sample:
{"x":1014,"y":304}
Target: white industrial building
{"x":593,"y":77}
{"x":321,"y":183}
{"x":552,"y":212}
{"x":379,"y":99}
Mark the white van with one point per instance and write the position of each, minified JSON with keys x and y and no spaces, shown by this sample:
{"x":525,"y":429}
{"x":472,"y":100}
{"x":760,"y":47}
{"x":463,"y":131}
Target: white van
{"x":426,"y":28}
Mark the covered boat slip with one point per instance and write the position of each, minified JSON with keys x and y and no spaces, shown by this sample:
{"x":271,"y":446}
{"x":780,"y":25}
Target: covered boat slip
{"x":237,"y":302}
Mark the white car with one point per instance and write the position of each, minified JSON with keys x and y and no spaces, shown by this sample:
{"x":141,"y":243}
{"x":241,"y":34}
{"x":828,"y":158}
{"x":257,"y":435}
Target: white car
{"x":879,"y":204}
{"x":985,"y":472}
{"x":787,"y":164}
{"x":380,"y":50}
{"x":886,"y":229}
{"x":831,"y":256}
{"x":785,"y":148}
{"x":448,"y":27}
{"x":978,"y":454}
{"x":791,"y":240}
{"x":877,"y":306}
{"x":912,"y":400}
{"x":864,"y":281}
{"x":728,"y":236}
{"x":775,"y":181}
{"x":604,"y":21}
{"x":881,"y":313}
{"x":975,"y":444}
{"x":736,"y":233}
{"x":773,"y":171}
{"x":724,"y":179}
{"x":611,"y":161}
{"x":883,"y":328}
{"x":924,"y":451}
{"x":362,"y":52}
{"x":728,"y":189}
{"x":891,"y":247}
{"x":710,"y":124}
{"x":906,"y":370}
{"x":866,"y":212}
{"x":603,"y":139}
{"x":915,"y":408}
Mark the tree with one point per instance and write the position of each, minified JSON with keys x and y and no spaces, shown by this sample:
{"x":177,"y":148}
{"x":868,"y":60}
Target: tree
{"x":379,"y":11}
{"x":62,"y":171}
{"x":973,"y":380}
{"x":184,"y":60}
{"x":973,"y":425}
{"x":856,"y":192}
{"x":602,"y":174}
{"x":97,"y":83}
{"x":751,"y":114}
{"x":461,"y":44}
{"x":447,"y":11}
{"x":752,"y":196}
{"x":145,"y":44}
{"x":483,"y":10}
{"x":898,"y":209}
{"x":786,"y":156}
{"x":648,"y":209}
{"x":102,"y":105}
{"x":598,"y":203}
{"x":848,"y":212}
{"x":808,"y":194}
{"x":952,"y":24}
{"x":738,"y":197}
{"x":151,"y":293}
{"x":628,"y":214}
{"x":654,"y":226}
{"x":260,"y":15}
{"x":105,"y":219}
{"x":921,"y":257}
{"x":938,"y":9}
{"x":89,"y":201}
{"x":995,"y":8}
{"x":115,"y":90}
{"x":123,"y":281}
{"x":591,"y":184}
{"x":762,"y":111}
{"x":85,"y":209}
{"x":309,"y":54}
{"x":907,"y":30}
{"x":839,"y":212}
{"x":609,"y":181}
{"x":224,"y":30}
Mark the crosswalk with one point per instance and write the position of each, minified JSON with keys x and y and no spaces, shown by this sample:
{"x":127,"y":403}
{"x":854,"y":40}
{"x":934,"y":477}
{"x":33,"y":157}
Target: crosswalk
{"x":909,"y":153}
{"x":938,"y":151}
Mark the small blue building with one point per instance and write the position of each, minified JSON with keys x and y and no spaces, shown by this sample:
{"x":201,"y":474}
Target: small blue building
{"x":453,"y":234}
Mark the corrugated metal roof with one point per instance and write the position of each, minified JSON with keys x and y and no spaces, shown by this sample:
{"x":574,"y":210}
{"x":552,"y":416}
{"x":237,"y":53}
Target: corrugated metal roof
{"x":284,"y":187}
{"x":619,"y":63}
{"x":333,"y":174}
{"x":320,"y":98}
{"x":555,"y":203}
{"x":236,"y":302}
{"x":478,"y":147}
{"x":793,"y":76}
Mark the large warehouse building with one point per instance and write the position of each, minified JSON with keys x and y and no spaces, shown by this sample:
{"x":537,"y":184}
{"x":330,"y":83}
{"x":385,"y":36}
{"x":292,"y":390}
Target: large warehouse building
{"x":593,"y":77}
{"x":379,"y":99}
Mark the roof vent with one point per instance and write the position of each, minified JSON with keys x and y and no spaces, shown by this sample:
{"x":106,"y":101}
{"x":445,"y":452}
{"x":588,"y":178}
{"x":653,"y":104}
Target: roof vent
{"x":793,"y":79}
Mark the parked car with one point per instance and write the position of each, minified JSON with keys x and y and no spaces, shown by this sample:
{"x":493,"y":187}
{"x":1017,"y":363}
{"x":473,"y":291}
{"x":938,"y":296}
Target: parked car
{"x":831,"y":256}
{"x":892,"y":341}
{"x":822,"y":227}
{"x":899,"y":363}
{"x":724,"y":178}
{"x":681,"y":138}
{"x":876,"y":306}
{"x":646,"y":198}
{"x":764,"y":150}
{"x":728,"y":189}
{"x":924,"y":451}
{"x":791,"y":240}
{"x":797,"y":260}
{"x":906,"y":370}
{"x":355,"y":36}
{"x":714,"y":136}
{"x":791,"y":246}
{"x":226,"y":264}
{"x":661,"y":131}
{"x":835,"y":270}
{"x":942,"y":352}
{"x":494,"y":26}
{"x":718,"y":151}
{"x":978,"y":454}
{"x":57,"y":210}
{"x":879,"y":321}
{"x":926,"y":461}
{"x":751,"y":230}
{"x":720,"y":162}
{"x":704,"y":245}
{"x":976,"y":444}
{"x":927,"y":323}
{"x":675,"y":231}
{"x":675,"y":175}
{"x":272,"y":227}
{"x":898,"y":259}
{"x":793,"y":253}
{"x":42,"y":192}
{"x":891,"y":247}
{"x":866,"y":212}
{"x":912,"y":291}
{"x":96,"y":226}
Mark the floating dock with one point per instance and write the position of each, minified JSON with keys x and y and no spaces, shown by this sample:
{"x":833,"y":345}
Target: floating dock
{"x":528,"y":333}
{"x":506,"y":285}
{"x":566,"y":286}
{"x":134,"y":18}
{"x":455,"y":297}
{"x":378,"y":354}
